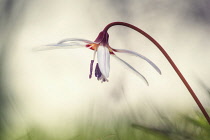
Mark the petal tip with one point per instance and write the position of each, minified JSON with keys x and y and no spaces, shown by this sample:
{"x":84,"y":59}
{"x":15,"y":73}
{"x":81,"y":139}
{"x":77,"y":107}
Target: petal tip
{"x":159,"y":71}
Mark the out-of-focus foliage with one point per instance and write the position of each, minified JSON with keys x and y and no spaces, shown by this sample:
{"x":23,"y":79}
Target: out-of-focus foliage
{"x":180,"y":128}
{"x":10,"y":16}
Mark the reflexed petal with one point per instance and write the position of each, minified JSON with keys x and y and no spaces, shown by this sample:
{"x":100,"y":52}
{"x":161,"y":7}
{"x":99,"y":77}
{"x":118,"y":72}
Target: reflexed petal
{"x":58,"y":46}
{"x":139,"y":74}
{"x":75,"y":40}
{"x":103,"y":60}
{"x":69,"y":43}
{"x":139,"y":55}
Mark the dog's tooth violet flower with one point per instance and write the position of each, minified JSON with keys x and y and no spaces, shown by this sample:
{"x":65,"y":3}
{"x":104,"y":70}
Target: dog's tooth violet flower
{"x":103,"y":50}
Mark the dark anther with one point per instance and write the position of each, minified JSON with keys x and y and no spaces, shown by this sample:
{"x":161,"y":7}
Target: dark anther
{"x":91,"y":68}
{"x":98,"y":72}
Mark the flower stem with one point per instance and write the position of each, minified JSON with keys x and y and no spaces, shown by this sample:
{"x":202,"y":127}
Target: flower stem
{"x":169,"y":60}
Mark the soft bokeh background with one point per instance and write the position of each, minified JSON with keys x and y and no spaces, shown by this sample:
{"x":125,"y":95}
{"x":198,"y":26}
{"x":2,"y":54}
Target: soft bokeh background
{"x":51,"y":89}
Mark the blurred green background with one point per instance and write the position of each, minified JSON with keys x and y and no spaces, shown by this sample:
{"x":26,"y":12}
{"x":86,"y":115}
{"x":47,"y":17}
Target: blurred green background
{"x":47,"y":95}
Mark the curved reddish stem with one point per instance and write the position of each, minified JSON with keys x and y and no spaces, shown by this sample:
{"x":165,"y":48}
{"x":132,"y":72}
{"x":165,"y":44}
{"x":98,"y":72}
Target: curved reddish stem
{"x":169,"y":60}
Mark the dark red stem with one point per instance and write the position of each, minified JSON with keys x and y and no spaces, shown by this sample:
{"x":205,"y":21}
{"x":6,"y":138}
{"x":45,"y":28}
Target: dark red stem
{"x":169,"y":60}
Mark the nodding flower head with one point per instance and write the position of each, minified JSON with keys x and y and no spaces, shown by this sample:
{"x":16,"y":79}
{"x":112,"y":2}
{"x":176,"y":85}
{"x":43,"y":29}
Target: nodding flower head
{"x":103,"y":50}
{"x":101,"y":46}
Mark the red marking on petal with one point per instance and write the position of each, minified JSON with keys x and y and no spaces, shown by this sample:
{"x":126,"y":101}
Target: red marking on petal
{"x":112,"y":53}
{"x":88,"y":45}
{"x":92,"y":46}
{"x":114,"y":50}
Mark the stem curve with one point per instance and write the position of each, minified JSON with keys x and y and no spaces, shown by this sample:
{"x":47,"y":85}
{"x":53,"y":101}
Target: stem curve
{"x":169,"y":60}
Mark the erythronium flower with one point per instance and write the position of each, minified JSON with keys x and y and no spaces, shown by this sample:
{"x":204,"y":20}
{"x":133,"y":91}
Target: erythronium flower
{"x":103,"y":50}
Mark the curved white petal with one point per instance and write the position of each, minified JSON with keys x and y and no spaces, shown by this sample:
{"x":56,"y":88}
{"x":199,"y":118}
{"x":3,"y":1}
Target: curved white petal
{"x":69,"y":43}
{"x":141,"y":56}
{"x":75,"y":40}
{"x":139,"y":74}
{"x":104,"y":60}
{"x":58,"y":46}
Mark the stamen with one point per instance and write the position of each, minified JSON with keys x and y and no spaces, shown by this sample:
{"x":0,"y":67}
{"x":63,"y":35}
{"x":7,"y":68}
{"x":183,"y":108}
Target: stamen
{"x":98,"y":73}
{"x":94,"y":55}
{"x":91,"y":69}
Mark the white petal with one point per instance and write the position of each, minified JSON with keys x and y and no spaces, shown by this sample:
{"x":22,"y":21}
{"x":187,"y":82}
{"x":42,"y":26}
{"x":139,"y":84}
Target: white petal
{"x":139,"y":55}
{"x":104,"y":60}
{"x":75,"y":40}
{"x":58,"y":46}
{"x":139,"y":74}
{"x":69,"y":43}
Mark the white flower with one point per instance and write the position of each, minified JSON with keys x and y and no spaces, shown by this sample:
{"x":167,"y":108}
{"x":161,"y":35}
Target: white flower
{"x":103,"y":50}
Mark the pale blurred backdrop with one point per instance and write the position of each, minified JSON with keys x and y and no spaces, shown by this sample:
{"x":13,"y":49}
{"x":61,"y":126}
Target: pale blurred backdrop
{"x":51,"y":89}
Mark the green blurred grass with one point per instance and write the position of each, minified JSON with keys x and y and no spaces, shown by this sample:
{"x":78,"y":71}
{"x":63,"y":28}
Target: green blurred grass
{"x":180,"y":128}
